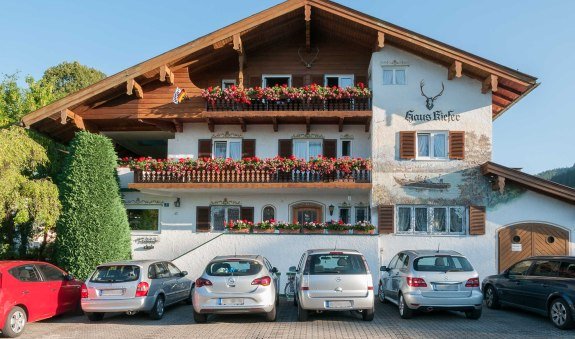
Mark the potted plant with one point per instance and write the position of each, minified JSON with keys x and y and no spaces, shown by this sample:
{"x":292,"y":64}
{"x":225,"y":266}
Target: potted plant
{"x":313,"y":227}
{"x":239,"y":226}
{"x":338,"y":227}
{"x":363,"y":227}
{"x":287,"y":228}
{"x":268,"y":226}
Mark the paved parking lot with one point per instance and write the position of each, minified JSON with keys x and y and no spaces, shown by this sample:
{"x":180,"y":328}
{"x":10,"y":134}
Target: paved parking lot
{"x":178,"y":323}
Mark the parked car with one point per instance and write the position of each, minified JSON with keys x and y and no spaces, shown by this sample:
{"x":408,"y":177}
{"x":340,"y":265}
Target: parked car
{"x":135,"y":286}
{"x":236,"y":284}
{"x":545,"y":285}
{"x":334,"y":280}
{"x":32,"y":291}
{"x":431,"y":280}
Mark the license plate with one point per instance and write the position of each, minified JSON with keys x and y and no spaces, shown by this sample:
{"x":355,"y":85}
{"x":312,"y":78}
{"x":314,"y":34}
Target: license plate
{"x":231,"y":301}
{"x":446,"y":287}
{"x":111,"y":292}
{"x":339,"y":304}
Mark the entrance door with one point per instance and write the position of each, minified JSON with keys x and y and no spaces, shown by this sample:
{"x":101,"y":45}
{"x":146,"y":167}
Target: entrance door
{"x":521,"y":241}
{"x":307,"y":213}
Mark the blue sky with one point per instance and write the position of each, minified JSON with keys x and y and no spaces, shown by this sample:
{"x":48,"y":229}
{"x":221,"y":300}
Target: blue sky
{"x":535,"y":37}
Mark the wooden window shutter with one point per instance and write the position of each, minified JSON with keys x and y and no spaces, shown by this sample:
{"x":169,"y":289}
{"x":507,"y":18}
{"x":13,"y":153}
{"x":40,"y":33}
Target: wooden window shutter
{"x":297,"y":80}
{"x":456,"y":145}
{"x":256,"y":81}
{"x":202,"y":219}
{"x":247,"y":213}
{"x":360,"y":78}
{"x":330,"y":148}
{"x":476,"y":220}
{"x":285,"y":148}
{"x":385,"y":219}
{"x":205,"y":148}
{"x":407,"y":145}
{"x":248,"y":148}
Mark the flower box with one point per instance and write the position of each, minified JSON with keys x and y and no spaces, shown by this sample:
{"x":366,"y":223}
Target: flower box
{"x":267,"y":230}
{"x":313,"y":231}
{"x":338,"y":231}
{"x":238,"y":230}
{"x":289,"y":231}
{"x":363,"y":232}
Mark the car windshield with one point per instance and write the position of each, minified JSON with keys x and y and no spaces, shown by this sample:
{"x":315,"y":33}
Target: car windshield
{"x":231,"y":267}
{"x":442,"y":263}
{"x":114,"y":274}
{"x":335,"y":264}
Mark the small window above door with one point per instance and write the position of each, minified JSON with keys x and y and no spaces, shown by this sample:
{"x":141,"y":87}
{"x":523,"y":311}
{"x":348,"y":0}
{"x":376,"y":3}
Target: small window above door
{"x":341,"y":80}
{"x":270,"y":80}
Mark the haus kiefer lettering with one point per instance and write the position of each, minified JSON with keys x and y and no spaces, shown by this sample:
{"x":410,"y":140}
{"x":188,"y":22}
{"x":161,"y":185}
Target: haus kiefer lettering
{"x":411,"y":116}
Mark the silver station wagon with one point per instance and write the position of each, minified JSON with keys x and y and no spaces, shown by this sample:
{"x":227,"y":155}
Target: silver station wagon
{"x":237,"y":284}
{"x":431,"y":280}
{"x":134,"y":286}
{"x":334,"y":280}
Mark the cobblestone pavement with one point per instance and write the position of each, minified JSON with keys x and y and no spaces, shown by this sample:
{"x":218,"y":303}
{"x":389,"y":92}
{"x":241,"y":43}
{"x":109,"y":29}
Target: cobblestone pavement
{"x":178,"y":323}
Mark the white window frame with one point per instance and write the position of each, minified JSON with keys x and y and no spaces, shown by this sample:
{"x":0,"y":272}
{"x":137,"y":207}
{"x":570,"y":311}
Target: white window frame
{"x":367,"y":214}
{"x":227,"y":141}
{"x":394,"y":78}
{"x":307,"y":141}
{"x":350,"y":147}
{"x":338,"y":76}
{"x":226,"y":217}
{"x":432,"y":135}
{"x":265,"y":76}
{"x":159,"y":230}
{"x":232,"y":81}
{"x":430,"y":230}
{"x":273,"y":207}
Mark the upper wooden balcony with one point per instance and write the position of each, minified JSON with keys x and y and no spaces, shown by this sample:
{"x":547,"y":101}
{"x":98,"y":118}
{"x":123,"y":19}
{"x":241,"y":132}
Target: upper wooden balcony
{"x":262,"y":105}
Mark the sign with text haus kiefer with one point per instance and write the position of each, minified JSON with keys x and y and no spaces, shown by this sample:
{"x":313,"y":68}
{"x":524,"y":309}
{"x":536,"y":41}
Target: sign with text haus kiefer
{"x":437,"y":115}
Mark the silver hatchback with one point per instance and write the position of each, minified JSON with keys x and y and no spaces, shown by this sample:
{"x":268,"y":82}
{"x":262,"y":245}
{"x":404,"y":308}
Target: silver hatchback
{"x":431,"y":280}
{"x":134,"y":286}
{"x":237,"y":284}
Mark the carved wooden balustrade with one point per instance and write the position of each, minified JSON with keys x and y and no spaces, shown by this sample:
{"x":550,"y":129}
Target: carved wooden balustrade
{"x":354,"y":104}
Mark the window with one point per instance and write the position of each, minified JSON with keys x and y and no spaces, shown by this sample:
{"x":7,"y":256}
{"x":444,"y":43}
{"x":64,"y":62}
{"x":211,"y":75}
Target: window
{"x":174,"y":271}
{"x":227,"y":83}
{"x":393,"y":262}
{"x":270,"y":80}
{"x":402,"y":262}
{"x":361,"y":214}
{"x":307,"y":149}
{"x":307,"y":212}
{"x":235,"y":268}
{"x":341,"y":80}
{"x":432,"y":145}
{"x":336,"y":264}
{"x":143,"y":219}
{"x":346,"y":148}
{"x":51,"y":273}
{"x":26,"y":273}
{"x":228,"y":149}
{"x":158,"y":271}
{"x":116,"y":273}
{"x":442,"y":263}
{"x":268,"y":213}
{"x":345,"y":215}
{"x":567,"y":270}
{"x":220,"y":215}
{"x":444,"y":220}
{"x":394,"y":76}
{"x":546,"y":268}
{"x":520,"y":268}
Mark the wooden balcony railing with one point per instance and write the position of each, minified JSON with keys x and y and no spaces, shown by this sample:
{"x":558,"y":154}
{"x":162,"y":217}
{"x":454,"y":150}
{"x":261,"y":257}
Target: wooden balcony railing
{"x":355,"y":104}
{"x":250,"y":176}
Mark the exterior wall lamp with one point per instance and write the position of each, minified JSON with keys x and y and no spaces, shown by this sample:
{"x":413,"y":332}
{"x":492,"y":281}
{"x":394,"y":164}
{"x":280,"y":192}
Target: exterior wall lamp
{"x":177,"y":202}
{"x":331,"y":208}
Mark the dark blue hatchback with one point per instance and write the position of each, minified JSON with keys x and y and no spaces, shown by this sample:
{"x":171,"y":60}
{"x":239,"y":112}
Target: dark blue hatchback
{"x":545,"y":285}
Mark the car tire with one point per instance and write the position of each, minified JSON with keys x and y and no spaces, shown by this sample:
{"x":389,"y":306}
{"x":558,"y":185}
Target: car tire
{"x":294,"y":300}
{"x":367,"y":315}
{"x":78,"y":309}
{"x":475,"y":314}
{"x":491,"y":298}
{"x":381,"y":295}
{"x":15,"y":322}
{"x":302,"y":314}
{"x":190,"y":299}
{"x":272,"y":315}
{"x":560,"y":314}
{"x":200,"y":318}
{"x":159,"y":308}
{"x":94,"y":316}
{"x":404,"y":311}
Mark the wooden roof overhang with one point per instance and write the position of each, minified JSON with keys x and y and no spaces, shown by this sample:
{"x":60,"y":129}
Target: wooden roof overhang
{"x":62,"y":118}
{"x":499,"y":175}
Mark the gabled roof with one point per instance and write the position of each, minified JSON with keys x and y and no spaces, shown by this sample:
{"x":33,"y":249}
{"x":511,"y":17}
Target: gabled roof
{"x":530,"y":182}
{"x":511,"y":85}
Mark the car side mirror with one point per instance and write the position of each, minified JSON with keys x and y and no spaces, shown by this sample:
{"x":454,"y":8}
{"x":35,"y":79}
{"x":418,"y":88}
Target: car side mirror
{"x":274,"y":270}
{"x":384,"y":269}
{"x":293,"y":269}
{"x":69,"y":277}
{"x":183,"y":273}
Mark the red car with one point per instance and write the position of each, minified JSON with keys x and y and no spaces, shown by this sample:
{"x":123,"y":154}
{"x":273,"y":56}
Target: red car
{"x":32,"y":291}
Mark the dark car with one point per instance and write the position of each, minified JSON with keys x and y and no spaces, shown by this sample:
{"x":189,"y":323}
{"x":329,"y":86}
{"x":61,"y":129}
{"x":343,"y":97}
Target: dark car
{"x":545,"y":285}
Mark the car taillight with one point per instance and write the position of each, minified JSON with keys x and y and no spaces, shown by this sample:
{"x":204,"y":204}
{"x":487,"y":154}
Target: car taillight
{"x":84,"y":291}
{"x":264,"y":281}
{"x":203,"y":282}
{"x":142,"y":289}
{"x":305,"y":288}
{"x":473,"y":282}
{"x":370,"y":288}
{"x":416,"y":282}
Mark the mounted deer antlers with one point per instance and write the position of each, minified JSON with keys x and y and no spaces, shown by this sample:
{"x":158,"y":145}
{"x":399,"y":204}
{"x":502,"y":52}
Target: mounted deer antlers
{"x":429,"y":101}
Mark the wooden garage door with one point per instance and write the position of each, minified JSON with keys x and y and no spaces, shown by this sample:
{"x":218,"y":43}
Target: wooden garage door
{"x":524,"y":240}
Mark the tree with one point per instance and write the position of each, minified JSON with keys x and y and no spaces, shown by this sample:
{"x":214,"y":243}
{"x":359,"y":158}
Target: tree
{"x":93,"y":227}
{"x":70,"y":77}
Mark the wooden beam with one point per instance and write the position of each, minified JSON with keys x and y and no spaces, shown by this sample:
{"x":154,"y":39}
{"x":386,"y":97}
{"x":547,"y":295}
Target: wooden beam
{"x":307,"y":14}
{"x":243,"y":124}
{"x":165,"y":72}
{"x":238,"y":44}
{"x":241,"y":60}
{"x":380,"y":43}
{"x":341,"y":124}
{"x":64,"y":116}
{"x":275,"y":123}
{"x":307,"y":124}
{"x":132,"y":86}
{"x":211,"y":125}
{"x":454,"y":70}
{"x":79,"y":122}
{"x":367,"y":124}
{"x":179,"y":125}
{"x":498,"y":184}
{"x":490,"y":84}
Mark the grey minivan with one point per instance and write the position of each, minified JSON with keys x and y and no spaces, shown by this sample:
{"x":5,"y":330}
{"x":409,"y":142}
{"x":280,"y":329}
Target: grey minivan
{"x":134,"y":286}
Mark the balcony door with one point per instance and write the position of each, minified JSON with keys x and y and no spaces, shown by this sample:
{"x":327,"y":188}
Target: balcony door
{"x":220,"y":215}
{"x":303,"y":213}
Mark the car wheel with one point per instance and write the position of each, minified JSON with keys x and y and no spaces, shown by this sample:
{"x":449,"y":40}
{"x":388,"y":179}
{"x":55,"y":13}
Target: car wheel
{"x":294,"y":300}
{"x":272,"y":315}
{"x":475,"y":314}
{"x":404,"y":311}
{"x":15,"y":323}
{"x":367,"y":315}
{"x":190,"y":299}
{"x":200,"y":318}
{"x":491,"y":298}
{"x":560,"y":314}
{"x":381,"y":295}
{"x":157,"y":311}
{"x":95,"y":316}
{"x":302,"y":314}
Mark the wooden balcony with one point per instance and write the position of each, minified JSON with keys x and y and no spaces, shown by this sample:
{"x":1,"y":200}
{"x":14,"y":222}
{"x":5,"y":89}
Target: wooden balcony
{"x":354,"y":104}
